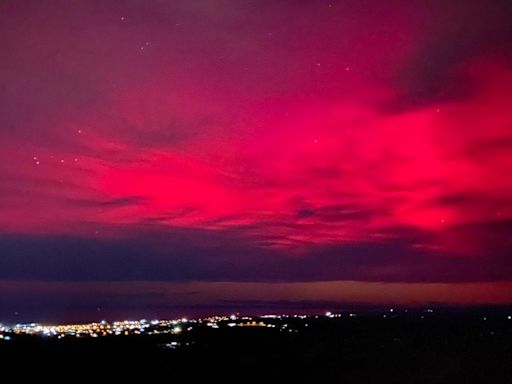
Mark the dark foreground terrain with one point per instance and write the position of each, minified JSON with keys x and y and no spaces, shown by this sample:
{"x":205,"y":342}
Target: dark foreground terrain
{"x":399,"y":348}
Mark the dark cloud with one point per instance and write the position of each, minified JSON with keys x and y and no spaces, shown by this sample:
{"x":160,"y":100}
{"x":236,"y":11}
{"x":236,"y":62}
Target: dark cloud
{"x":457,"y":33}
{"x":339,"y":213}
{"x":192,"y":255}
{"x":112,"y":203}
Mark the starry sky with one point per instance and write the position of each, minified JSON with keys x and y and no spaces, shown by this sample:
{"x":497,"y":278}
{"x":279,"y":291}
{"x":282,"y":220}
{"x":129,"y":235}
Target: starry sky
{"x":159,"y":157}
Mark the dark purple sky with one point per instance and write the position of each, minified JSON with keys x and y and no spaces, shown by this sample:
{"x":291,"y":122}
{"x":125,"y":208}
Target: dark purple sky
{"x":152,"y":152}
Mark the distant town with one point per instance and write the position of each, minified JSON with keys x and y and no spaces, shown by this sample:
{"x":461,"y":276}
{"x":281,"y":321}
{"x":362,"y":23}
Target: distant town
{"x":152,"y":327}
{"x":283,"y":323}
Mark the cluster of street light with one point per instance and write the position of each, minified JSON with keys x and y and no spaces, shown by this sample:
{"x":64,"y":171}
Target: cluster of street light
{"x":96,"y":329}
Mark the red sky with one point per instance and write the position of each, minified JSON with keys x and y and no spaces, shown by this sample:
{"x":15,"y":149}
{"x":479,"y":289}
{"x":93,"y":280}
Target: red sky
{"x":348,"y":142}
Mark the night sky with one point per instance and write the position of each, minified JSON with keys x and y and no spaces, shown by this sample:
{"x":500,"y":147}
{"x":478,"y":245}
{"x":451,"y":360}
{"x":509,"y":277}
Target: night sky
{"x":161,"y":157}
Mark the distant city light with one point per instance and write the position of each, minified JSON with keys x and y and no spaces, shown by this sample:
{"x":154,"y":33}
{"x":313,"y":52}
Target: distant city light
{"x":282,"y":323}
